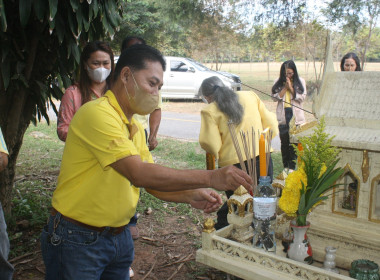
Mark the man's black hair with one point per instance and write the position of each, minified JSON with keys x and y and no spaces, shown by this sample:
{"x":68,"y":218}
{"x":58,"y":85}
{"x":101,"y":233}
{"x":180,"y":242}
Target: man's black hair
{"x":136,"y":56}
{"x":125,"y":43}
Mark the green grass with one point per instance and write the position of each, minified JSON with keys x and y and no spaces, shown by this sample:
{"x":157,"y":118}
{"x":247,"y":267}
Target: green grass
{"x":41,"y":149}
{"x":179,"y":154}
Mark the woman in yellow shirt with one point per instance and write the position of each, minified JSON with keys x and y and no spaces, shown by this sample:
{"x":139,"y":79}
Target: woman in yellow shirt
{"x":243,"y":108}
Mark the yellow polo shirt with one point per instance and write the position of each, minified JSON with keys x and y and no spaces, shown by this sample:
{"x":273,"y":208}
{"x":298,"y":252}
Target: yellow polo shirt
{"x":215,"y":136}
{"x":89,"y":190}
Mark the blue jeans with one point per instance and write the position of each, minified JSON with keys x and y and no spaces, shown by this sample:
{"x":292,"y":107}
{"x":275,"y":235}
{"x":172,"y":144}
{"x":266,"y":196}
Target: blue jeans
{"x":74,"y":252}
{"x":6,"y":269}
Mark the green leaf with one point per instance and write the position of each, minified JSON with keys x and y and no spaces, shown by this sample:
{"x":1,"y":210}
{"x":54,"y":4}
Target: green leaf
{"x":39,"y":9}
{"x":66,"y":81}
{"x":72,"y":24}
{"x":79,"y":17}
{"x":25,"y":6}
{"x":56,"y":92}
{"x":110,"y":11}
{"x":76,"y":52}
{"x":74,"y":4}
{"x":52,"y":104}
{"x":3,"y":18}
{"x":51,"y":26}
{"x":90,"y":14}
{"x":60,"y":28}
{"x":95,"y":8}
{"x":53,"y":5}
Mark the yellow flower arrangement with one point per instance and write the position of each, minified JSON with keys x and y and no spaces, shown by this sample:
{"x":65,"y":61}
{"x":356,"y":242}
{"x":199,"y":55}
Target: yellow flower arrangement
{"x":305,"y":187}
{"x":291,"y":193}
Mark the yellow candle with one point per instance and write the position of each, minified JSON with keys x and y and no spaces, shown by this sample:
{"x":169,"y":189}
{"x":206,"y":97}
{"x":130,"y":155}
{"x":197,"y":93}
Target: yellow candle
{"x":262,"y":156}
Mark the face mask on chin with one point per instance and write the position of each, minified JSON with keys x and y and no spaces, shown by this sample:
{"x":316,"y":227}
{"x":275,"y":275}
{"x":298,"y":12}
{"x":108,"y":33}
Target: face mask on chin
{"x":143,"y":103}
{"x":98,"y":74}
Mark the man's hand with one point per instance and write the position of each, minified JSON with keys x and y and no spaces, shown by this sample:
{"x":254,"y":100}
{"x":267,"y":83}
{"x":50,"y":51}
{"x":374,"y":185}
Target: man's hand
{"x":152,"y":142}
{"x":230,"y":178}
{"x":206,"y":200}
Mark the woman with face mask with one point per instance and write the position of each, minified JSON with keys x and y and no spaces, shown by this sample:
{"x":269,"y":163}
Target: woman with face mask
{"x":96,"y":69}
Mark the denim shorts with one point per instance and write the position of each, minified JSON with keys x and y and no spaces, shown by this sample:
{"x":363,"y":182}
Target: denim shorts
{"x":73,"y":252}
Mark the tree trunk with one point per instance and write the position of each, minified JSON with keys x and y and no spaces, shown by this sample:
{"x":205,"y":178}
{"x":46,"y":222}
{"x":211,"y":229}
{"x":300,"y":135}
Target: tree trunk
{"x":20,"y":105}
{"x":367,"y":44}
{"x":19,"y":108}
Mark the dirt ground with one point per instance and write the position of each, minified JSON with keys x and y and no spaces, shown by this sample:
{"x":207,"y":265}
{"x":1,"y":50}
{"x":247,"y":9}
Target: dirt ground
{"x":165,"y":249}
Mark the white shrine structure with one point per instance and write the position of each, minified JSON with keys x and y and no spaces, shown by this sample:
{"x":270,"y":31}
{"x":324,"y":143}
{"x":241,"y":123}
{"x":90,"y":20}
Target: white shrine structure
{"x":350,"y":220}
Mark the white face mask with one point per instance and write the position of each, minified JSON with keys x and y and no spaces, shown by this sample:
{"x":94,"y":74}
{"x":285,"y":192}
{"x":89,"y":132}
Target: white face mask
{"x":143,"y":103}
{"x":98,"y":74}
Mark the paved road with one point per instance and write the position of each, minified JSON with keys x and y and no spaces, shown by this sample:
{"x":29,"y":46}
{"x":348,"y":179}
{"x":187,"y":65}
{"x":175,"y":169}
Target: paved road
{"x":179,"y":125}
{"x":187,"y":126}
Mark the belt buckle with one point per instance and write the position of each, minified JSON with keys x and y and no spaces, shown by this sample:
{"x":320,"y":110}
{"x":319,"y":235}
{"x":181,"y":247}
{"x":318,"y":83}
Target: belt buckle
{"x":116,"y":231}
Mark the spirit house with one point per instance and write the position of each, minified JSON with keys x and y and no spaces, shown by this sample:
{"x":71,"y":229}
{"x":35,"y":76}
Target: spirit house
{"x":350,"y":219}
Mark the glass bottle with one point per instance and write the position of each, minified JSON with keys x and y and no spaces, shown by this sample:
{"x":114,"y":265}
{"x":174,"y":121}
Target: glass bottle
{"x":264,"y":215}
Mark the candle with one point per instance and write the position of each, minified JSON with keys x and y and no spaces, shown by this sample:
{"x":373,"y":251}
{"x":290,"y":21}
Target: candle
{"x":210,"y":161}
{"x":262,"y":156}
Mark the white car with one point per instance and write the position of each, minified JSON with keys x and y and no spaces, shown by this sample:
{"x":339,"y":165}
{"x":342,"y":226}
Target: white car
{"x":184,"y":76}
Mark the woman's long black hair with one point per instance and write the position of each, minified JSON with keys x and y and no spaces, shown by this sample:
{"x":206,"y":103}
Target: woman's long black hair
{"x":297,"y":85}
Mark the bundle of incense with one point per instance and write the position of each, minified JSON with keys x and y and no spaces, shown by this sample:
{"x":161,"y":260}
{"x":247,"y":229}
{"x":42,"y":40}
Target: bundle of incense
{"x":249,"y":155}
{"x":231,"y":127}
{"x":249,"y":146}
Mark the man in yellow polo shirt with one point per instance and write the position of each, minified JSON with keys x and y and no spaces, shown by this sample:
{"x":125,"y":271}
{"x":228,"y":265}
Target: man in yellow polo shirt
{"x":105,"y":162}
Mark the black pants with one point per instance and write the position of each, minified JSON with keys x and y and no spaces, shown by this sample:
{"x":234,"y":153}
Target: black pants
{"x":223,"y":211}
{"x":287,"y":150}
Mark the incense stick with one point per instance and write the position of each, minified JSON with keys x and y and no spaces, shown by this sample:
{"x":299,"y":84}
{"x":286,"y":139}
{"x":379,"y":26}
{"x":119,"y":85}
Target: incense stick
{"x":231,"y":127}
{"x":254,"y":159}
{"x":247,"y":151}
{"x":268,"y":147}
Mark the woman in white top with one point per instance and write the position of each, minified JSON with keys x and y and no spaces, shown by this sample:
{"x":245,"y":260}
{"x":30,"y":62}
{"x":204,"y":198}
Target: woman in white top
{"x":289,"y":91}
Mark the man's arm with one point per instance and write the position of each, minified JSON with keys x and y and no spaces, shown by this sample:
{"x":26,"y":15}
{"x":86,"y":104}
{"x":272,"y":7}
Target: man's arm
{"x":160,"y":178}
{"x":204,"y":199}
{"x":3,"y":161}
{"x":154,"y":124}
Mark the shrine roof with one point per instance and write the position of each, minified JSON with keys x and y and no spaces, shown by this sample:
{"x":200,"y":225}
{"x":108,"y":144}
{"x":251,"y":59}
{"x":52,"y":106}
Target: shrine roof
{"x":350,"y":104}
